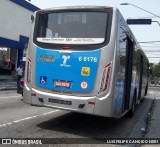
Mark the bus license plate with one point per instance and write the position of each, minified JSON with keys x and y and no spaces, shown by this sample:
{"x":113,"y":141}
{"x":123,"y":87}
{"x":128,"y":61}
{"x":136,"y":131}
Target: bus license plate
{"x":60,"y":83}
{"x":60,"y":101}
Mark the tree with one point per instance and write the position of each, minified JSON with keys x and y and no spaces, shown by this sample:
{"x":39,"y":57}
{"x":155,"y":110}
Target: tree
{"x":156,"y":70}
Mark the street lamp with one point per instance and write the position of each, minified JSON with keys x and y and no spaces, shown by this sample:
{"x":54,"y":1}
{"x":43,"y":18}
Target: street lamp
{"x":143,"y":10}
{"x":140,"y":8}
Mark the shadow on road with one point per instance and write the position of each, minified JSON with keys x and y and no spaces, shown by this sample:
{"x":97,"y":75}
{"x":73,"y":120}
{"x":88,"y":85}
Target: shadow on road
{"x":81,"y":125}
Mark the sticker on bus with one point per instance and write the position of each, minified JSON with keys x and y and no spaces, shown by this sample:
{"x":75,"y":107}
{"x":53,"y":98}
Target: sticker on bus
{"x":71,"y":40}
{"x":84,"y":85}
{"x":61,"y":83}
{"x":65,"y":59}
{"x":43,"y":79}
{"x":85,"y":71}
{"x":46,"y":58}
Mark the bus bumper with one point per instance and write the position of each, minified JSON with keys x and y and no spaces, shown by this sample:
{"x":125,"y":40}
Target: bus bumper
{"x":89,"y":105}
{"x":64,"y":102}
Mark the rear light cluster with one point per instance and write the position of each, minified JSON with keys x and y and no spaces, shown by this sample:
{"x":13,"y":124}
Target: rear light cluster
{"x":107,"y":7}
{"x":21,"y":82}
{"x":29,"y":71}
{"x":105,"y":78}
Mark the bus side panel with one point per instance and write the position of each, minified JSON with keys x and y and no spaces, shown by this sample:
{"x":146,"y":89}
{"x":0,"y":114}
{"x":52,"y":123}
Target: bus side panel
{"x":142,"y":75}
{"x":28,"y":68}
{"x":105,"y":101}
{"x":27,"y":94}
{"x":120,"y":70}
{"x":145,"y":76}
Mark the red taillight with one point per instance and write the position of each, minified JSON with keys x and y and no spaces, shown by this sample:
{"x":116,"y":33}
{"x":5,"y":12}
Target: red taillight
{"x":21,"y":81}
{"x":107,"y":7}
{"x":105,"y":77}
{"x":91,"y":103}
{"x":66,"y":47}
{"x":33,"y":94}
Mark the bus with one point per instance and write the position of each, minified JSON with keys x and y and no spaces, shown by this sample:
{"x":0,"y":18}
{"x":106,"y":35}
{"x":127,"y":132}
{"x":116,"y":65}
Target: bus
{"x":85,"y":59}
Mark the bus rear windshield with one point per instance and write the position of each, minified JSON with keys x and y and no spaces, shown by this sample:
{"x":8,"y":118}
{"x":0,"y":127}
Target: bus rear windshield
{"x":72,"y":28}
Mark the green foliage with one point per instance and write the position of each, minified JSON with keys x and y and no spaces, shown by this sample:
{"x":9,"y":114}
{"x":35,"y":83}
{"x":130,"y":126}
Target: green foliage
{"x":156,"y":70}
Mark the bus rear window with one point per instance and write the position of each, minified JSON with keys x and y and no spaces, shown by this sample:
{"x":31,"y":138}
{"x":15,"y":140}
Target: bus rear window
{"x":72,"y":28}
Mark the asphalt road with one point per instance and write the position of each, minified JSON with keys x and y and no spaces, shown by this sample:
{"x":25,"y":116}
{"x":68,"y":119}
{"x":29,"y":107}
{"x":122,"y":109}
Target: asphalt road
{"x":19,"y":120}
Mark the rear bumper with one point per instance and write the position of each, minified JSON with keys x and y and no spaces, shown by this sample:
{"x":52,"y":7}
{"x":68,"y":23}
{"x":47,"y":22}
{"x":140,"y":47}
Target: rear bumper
{"x":106,"y":106}
{"x":65,"y":102}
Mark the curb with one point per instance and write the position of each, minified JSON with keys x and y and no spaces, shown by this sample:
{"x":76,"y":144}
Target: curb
{"x":8,"y":88}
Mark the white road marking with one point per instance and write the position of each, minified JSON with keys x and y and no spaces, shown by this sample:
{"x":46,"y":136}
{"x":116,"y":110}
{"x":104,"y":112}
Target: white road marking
{"x":28,"y":118}
{"x":10,"y":97}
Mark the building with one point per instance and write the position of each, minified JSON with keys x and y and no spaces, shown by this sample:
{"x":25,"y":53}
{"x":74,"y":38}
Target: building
{"x":15,"y":25}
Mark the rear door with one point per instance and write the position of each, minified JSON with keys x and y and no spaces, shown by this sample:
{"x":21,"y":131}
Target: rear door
{"x":128,"y":73}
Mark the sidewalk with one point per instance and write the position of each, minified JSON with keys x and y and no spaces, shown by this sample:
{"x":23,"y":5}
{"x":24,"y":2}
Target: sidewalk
{"x":7,"y":82}
{"x":154,"y":128}
{"x":153,"y":131}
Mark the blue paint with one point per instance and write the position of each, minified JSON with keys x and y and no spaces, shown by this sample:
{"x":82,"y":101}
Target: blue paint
{"x":119,"y":93}
{"x":66,"y":67}
{"x":26,"y":5}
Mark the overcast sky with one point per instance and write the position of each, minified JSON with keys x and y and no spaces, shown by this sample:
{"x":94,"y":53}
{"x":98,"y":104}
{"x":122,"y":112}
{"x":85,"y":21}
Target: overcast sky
{"x":143,"y":33}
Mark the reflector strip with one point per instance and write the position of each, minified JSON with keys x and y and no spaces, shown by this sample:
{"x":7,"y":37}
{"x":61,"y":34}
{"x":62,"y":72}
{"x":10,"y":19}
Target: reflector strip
{"x":108,"y":65}
{"x":29,"y":59}
{"x":107,"y":78}
{"x":91,"y":103}
{"x":33,"y":94}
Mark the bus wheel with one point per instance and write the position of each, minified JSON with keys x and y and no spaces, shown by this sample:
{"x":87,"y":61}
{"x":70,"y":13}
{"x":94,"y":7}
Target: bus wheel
{"x":132,"y":110}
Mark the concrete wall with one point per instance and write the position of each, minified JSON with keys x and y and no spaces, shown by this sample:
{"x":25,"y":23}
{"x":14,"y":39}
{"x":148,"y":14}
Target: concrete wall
{"x":14,"y":20}
{"x":15,"y":25}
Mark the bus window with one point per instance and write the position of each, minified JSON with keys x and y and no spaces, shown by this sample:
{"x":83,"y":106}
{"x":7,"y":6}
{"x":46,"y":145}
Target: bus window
{"x":72,"y":28}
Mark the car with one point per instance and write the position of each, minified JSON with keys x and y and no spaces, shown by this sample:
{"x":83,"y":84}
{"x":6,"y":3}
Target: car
{"x":20,"y":86}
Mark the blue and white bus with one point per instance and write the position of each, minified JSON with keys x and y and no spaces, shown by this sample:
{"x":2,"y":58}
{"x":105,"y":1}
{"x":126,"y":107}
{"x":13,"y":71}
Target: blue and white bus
{"x":84,"y":59}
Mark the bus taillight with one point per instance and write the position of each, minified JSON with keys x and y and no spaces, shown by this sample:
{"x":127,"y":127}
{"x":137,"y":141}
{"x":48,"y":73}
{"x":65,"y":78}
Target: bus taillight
{"x":107,"y":7}
{"x":29,"y":70}
{"x":105,"y":77}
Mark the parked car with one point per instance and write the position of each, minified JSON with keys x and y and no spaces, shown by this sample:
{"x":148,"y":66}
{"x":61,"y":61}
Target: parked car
{"x":20,"y":86}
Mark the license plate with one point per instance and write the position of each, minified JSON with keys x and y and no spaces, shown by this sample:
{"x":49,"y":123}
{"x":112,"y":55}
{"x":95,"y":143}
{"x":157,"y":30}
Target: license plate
{"x":60,"y":83}
{"x":60,"y":101}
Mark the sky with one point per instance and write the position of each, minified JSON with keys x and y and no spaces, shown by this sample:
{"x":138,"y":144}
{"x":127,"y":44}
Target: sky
{"x":143,"y":33}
